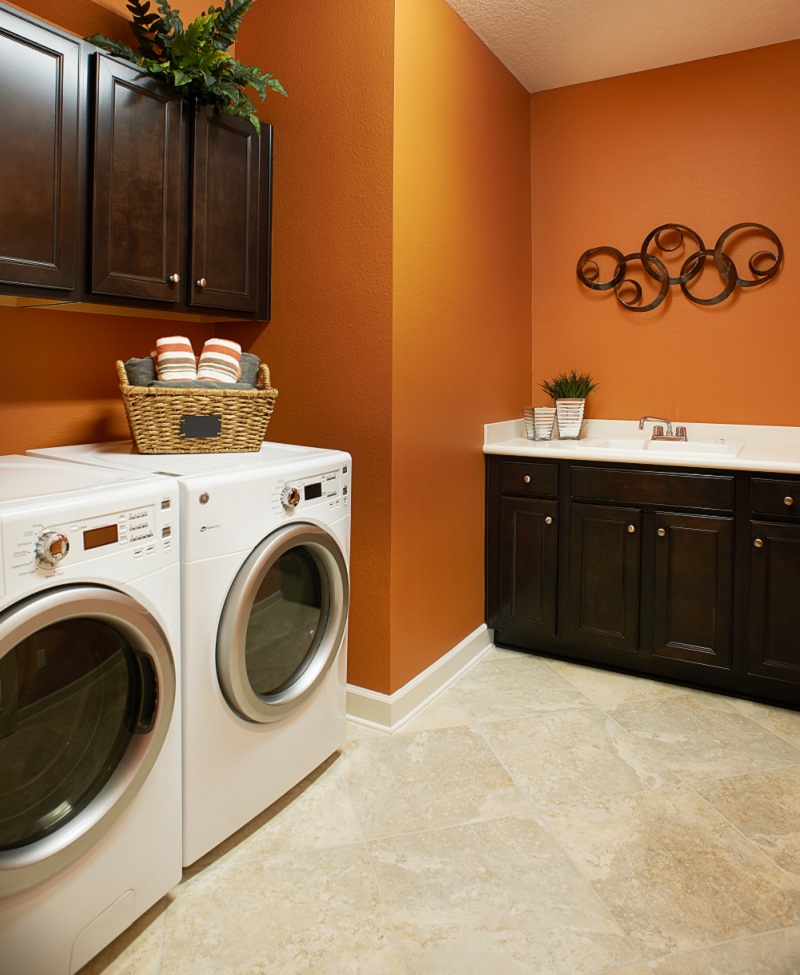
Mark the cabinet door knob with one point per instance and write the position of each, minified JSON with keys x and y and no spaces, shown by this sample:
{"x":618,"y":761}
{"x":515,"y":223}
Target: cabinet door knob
{"x":631,"y":529}
{"x":661,"y":532}
{"x":201,"y":283}
{"x":759,"y":543}
{"x":175,"y":278}
{"x":548,"y":520}
{"x":527,"y":479}
{"x":788,"y":501}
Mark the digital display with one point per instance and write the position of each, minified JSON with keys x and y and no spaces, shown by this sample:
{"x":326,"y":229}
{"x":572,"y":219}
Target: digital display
{"x":311,"y":491}
{"x":95,"y":537}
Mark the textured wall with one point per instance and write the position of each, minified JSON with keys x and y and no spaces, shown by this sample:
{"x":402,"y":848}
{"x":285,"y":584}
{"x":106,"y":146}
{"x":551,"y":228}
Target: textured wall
{"x":707,"y":144}
{"x":461,"y":317}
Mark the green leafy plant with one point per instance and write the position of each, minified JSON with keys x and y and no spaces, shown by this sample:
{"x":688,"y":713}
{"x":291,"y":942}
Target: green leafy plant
{"x":571,"y":385}
{"x":195,"y":58}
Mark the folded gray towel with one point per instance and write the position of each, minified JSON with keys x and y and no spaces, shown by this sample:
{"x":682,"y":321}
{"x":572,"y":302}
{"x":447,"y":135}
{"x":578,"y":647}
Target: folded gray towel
{"x":249,"y":364}
{"x":197,"y":384}
{"x":141,"y":372}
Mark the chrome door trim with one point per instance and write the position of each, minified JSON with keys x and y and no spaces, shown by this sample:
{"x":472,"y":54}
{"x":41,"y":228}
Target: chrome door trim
{"x":29,"y":865}
{"x":232,"y":633}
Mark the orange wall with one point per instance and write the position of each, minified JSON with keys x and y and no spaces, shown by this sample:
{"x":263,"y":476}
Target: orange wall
{"x":329,"y":344}
{"x":461,"y":338}
{"x":707,"y":144}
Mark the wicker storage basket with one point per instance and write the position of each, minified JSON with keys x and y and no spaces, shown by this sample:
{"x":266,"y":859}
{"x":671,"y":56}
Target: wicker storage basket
{"x":197,"y":421}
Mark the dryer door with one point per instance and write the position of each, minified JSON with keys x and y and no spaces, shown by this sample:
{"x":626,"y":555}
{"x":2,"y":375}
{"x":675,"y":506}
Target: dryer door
{"x":87,"y":689}
{"x":283,"y":622}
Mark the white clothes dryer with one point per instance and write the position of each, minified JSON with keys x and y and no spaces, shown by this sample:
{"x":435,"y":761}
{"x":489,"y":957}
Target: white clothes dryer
{"x":90,"y":758}
{"x":265,"y":540}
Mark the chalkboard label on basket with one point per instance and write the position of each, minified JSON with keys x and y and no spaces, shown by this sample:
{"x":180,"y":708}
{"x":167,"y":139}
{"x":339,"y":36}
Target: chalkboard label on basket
{"x":201,"y":427}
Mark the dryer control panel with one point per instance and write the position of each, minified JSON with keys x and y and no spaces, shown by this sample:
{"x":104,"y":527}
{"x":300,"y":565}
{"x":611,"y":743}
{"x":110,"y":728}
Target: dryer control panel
{"x":332,"y":488}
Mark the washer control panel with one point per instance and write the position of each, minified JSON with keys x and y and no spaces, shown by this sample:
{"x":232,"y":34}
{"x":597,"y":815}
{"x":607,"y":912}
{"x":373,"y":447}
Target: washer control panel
{"x":33,"y":546}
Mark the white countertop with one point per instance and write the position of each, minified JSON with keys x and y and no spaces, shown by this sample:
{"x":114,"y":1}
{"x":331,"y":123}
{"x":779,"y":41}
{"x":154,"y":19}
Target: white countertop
{"x":710,"y":445}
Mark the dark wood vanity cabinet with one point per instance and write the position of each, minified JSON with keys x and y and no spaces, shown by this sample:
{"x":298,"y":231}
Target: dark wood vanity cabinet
{"x":40,"y":159}
{"x":666,"y":572}
{"x":774,"y":545}
{"x":115,"y":190}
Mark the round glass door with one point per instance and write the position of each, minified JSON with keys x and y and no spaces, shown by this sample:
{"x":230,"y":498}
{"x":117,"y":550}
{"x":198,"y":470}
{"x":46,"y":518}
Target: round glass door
{"x":283,"y":622}
{"x":87,"y":686}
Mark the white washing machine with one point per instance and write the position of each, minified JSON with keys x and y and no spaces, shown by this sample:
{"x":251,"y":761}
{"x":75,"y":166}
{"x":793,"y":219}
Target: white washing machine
{"x":90,"y":734}
{"x":265,"y":540}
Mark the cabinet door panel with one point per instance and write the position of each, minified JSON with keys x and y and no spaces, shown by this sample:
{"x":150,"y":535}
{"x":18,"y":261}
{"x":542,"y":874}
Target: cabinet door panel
{"x":529,"y":533}
{"x":39,"y":163}
{"x":225,"y":213}
{"x":774,"y":635}
{"x":138,"y":218}
{"x":693,"y":588}
{"x":604,"y":576}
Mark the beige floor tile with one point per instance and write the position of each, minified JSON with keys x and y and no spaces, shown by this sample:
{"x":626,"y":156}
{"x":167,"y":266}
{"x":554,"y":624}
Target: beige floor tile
{"x":316,"y":813}
{"x":782,"y":721}
{"x":512,"y":685}
{"x":675,"y":875}
{"x":498,"y":897}
{"x":700,"y":736}
{"x":605,"y":688}
{"x":310,"y":912}
{"x":764,"y":806}
{"x":433,"y":778}
{"x":769,"y":954}
{"x":573,"y":756}
{"x":444,"y":712}
{"x":354,"y":731}
{"x":137,"y":951}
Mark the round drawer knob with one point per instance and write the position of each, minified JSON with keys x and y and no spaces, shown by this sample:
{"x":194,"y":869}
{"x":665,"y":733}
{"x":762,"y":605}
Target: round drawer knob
{"x":548,"y":520}
{"x":201,"y":282}
{"x":661,"y":532}
{"x":788,"y":501}
{"x":759,"y":543}
{"x":175,"y":278}
{"x":527,"y":479}
{"x":631,"y":529}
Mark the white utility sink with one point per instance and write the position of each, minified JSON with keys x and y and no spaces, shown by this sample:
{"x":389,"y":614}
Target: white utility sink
{"x":683,"y":448}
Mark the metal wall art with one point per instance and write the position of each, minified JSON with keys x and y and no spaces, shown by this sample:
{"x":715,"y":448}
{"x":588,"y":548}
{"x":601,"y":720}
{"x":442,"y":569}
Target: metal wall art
{"x":669,"y":238}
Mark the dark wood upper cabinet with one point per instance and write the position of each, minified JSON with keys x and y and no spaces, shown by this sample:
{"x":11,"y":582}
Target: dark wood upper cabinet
{"x":225,"y":212}
{"x":117,"y":191}
{"x":40,"y":156}
{"x":138,"y":185}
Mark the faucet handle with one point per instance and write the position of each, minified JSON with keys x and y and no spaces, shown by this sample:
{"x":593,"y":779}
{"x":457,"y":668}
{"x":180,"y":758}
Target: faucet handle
{"x":658,"y":431}
{"x":680,"y":433}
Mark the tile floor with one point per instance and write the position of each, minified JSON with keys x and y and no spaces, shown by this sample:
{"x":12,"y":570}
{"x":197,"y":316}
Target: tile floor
{"x":539,"y":817}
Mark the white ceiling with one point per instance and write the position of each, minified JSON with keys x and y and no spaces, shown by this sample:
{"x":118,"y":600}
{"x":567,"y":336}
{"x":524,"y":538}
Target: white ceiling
{"x":551,"y":43}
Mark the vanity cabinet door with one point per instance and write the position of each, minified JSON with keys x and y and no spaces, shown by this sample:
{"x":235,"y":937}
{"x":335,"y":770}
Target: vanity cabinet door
{"x":604,"y":570}
{"x":40,"y":180}
{"x":693,"y":588}
{"x":774,"y":629}
{"x":138,"y":215}
{"x":528,"y":566}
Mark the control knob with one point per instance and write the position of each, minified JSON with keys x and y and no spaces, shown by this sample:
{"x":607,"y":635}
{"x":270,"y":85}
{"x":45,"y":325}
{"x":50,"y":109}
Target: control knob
{"x":51,"y":548}
{"x":290,"y":497}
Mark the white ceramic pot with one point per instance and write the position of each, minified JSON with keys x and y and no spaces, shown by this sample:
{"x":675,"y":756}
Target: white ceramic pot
{"x":570,"y":417}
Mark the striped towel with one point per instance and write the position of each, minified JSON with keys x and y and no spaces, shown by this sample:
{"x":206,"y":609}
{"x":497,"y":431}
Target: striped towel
{"x":220,"y":360}
{"x":175,"y":358}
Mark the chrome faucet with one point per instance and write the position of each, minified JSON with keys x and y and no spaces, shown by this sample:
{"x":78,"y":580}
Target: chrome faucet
{"x":658,"y":429}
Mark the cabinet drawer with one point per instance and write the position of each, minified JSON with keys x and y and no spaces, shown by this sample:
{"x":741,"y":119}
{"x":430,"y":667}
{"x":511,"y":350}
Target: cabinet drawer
{"x":652,"y":487}
{"x":524,"y":478}
{"x":771,"y":496}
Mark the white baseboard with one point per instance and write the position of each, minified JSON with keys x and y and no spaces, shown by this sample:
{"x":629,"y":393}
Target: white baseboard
{"x":388,"y":712}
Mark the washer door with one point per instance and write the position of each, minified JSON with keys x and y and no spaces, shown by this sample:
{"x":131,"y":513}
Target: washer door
{"x":87,"y":690}
{"x":283,"y":622}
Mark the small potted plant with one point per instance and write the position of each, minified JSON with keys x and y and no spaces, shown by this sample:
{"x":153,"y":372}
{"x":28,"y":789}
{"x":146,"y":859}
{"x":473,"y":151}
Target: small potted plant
{"x":569,"y":390}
